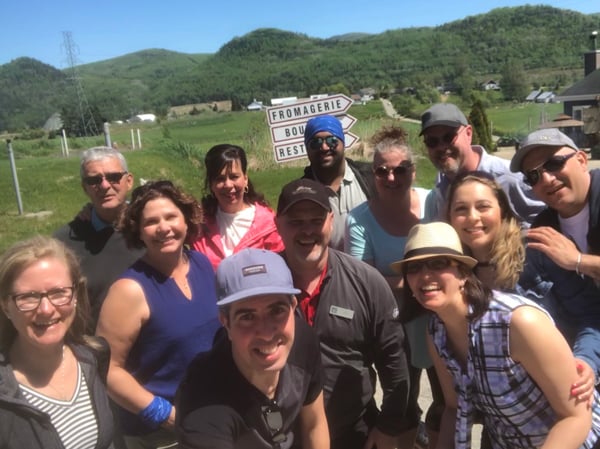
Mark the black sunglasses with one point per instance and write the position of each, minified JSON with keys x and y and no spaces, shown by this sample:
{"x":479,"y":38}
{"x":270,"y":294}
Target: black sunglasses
{"x":112,"y":178}
{"x":447,"y":139}
{"x":316,"y":143}
{"x":274,"y":419}
{"x":435,"y":264}
{"x":552,"y":165}
{"x":383,"y":171}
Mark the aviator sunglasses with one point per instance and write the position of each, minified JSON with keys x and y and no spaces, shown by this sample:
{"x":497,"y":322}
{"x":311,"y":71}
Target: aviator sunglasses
{"x":316,"y":143}
{"x":435,"y":264}
{"x":112,"y":178}
{"x":446,"y":139}
{"x":383,"y":171}
{"x":552,"y":165}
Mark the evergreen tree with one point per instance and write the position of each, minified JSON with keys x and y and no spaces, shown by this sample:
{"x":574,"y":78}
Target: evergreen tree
{"x":482,"y":134}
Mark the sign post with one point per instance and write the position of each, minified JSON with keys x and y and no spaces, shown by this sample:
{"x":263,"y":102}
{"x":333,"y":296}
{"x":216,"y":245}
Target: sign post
{"x":288,"y":122}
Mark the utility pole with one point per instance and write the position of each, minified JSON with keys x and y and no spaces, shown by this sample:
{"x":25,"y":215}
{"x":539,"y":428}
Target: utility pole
{"x":88,"y":123}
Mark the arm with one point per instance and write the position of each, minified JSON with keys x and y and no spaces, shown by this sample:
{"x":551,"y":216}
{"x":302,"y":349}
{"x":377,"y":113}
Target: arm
{"x":445,"y":438}
{"x":563,"y":251}
{"x":550,"y":363}
{"x":315,"y":433}
{"x":123,"y":313}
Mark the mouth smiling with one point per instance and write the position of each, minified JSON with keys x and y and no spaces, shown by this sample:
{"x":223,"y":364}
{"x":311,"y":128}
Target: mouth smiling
{"x":45,"y":324}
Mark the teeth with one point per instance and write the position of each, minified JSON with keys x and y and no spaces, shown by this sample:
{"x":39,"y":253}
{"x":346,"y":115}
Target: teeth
{"x":267,"y":351}
{"x":429,"y":288}
{"x":47,"y":323}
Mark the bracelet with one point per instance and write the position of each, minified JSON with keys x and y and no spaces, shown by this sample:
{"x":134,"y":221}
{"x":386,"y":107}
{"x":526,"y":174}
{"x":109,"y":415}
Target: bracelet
{"x":156,"y":413}
{"x":577,"y":265}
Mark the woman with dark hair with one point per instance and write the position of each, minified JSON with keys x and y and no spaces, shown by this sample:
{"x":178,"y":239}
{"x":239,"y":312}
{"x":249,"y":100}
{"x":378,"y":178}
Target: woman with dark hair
{"x":236,"y":215}
{"x":159,"y":314}
{"x":488,"y":352}
{"x":52,"y":376}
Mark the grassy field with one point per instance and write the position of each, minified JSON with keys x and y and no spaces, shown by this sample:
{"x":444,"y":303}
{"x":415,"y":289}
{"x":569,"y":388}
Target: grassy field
{"x":51,"y":193}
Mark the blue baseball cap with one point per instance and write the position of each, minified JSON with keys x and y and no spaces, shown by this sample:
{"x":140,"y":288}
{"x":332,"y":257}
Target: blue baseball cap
{"x":323,"y":123}
{"x":253,"y":272}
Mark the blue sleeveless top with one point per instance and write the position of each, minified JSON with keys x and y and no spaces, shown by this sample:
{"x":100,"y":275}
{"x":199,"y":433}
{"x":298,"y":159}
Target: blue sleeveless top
{"x":178,"y":328}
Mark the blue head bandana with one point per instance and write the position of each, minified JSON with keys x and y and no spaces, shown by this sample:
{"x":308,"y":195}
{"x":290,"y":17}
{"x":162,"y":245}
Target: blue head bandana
{"x":322,"y":123}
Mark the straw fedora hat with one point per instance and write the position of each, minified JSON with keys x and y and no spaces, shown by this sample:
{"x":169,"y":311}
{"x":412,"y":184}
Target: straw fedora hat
{"x":436,"y":239}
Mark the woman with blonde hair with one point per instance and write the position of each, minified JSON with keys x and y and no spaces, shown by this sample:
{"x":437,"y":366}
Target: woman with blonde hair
{"x":52,"y":392}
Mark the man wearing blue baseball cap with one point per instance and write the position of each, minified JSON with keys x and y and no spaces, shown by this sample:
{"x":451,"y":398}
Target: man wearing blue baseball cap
{"x":261,"y":385}
{"x":351,"y":182}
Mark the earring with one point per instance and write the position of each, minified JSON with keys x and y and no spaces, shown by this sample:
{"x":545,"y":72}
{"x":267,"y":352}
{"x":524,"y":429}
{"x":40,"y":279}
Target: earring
{"x":246,"y":189}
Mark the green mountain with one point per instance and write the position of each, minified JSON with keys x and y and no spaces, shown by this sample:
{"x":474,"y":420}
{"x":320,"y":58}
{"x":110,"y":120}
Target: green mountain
{"x":547,"y":42}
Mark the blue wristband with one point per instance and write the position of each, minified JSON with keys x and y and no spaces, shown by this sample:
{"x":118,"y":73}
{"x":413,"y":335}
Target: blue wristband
{"x":156,"y":413}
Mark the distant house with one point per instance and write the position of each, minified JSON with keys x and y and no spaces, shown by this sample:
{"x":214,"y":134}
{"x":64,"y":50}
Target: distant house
{"x":490,"y":85}
{"x":255,"y":106}
{"x":545,"y":97}
{"x":148,"y":118}
{"x":533,"y":95}
{"x":282,"y":101}
{"x":582,"y":100}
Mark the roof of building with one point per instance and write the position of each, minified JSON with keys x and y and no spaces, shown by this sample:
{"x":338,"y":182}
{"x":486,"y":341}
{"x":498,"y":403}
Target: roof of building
{"x":585,"y":89}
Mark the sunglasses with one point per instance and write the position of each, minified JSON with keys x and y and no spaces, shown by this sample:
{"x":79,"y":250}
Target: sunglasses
{"x":274,"y":419}
{"x":435,"y":264}
{"x":446,"y":139}
{"x":383,"y":172}
{"x":111,"y":178}
{"x":317,"y":142}
{"x":552,"y":165}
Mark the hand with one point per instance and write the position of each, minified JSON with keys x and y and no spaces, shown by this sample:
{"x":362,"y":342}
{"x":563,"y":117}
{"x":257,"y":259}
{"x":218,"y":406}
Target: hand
{"x":555,"y":245}
{"x":379,"y":440}
{"x":583,"y":389}
{"x":169,"y":424}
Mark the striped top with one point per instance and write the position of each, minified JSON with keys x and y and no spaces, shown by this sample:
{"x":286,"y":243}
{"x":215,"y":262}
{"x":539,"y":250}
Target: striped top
{"x":514,"y":410}
{"x":74,"y":420}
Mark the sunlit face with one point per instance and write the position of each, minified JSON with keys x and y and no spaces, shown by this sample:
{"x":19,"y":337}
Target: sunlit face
{"x":325,"y":157}
{"x":305,"y":229}
{"x":436,"y":289}
{"x":107,"y":197}
{"x":564,"y":190}
{"x":451,"y":144}
{"x":162,"y":226}
{"x":261,"y":330}
{"x":476,"y":216}
{"x":47,"y":325}
{"x":228,"y":187}
{"x":393,"y":184}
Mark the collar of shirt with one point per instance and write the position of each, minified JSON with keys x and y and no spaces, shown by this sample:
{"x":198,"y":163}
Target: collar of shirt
{"x":97,"y":222}
{"x":309,"y":301}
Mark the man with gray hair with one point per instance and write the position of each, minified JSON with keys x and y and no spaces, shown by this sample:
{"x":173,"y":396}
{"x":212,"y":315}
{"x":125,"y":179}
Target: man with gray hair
{"x":101,"y":249}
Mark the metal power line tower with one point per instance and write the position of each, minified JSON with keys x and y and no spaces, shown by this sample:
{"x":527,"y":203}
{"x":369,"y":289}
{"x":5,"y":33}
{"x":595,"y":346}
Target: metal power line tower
{"x":85,"y":113}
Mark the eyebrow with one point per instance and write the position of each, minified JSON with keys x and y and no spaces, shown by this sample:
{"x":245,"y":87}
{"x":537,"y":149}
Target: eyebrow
{"x":281,"y":302}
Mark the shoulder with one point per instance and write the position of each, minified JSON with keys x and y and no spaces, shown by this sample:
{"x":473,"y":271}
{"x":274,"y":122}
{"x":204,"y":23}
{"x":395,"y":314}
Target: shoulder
{"x":360,"y":212}
{"x":355,"y":271}
{"x":200,"y":261}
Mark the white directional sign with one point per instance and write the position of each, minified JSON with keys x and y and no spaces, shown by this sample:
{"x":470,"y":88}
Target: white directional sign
{"x":287,"y":124}
{"x":303,"y":110}
{"x":292,"y":131}
{"x":294,"y":149}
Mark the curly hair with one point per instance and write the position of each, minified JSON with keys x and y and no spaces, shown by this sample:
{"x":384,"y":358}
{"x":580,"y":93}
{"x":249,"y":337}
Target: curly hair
{"x":130,"y":220}
{"x":476,"y":294}
{"x":22,"y":255}
{"x":217,"y":158}
{"x":508,"y":252}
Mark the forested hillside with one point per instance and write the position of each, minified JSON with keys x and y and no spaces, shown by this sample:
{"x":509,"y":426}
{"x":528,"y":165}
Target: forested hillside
{"x":546,"y":43}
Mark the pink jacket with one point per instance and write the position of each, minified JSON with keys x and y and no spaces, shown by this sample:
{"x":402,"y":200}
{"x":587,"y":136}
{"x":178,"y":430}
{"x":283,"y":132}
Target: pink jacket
{"x":262,"y":234}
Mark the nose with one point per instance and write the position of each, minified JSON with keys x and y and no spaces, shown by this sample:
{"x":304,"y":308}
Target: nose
{"x":265,"y":328}
{"x":473,"y":213}
{"x":162,"y":226}
{"x":544,"y":173}
{"x":45,"y":306}
{"x":105,"y":184}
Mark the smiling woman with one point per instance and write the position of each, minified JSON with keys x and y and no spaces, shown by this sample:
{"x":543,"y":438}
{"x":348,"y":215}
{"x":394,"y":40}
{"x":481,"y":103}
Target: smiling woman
{"x":166,"y":300}
{"x":48,"y":368}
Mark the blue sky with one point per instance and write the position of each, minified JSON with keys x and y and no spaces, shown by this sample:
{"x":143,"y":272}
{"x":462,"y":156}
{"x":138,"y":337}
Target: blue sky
{"x":107,"y":29}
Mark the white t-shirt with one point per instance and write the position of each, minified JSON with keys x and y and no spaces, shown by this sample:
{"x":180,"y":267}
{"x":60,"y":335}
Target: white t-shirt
{"x":576,"y":227}
{"x":233,"y":227}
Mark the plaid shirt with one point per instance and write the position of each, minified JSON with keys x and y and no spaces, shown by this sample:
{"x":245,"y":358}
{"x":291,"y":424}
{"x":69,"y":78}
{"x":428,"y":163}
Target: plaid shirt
{"x":515,"y":411}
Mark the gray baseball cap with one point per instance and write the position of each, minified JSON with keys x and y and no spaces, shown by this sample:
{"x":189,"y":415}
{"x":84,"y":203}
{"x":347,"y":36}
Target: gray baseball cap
{"x":446,"y":114}
{"x":549,"y":137}
{"x":253,"y":272}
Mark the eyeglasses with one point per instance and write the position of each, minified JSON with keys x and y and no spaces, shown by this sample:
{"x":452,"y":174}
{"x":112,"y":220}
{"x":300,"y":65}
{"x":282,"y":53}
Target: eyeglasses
{"x":435,"y":264}
{"x":552,"y":165}
{"x":112,"y":178}
{"x":446,"y":139}
{"x":60,"y":296}
{"x":316,"y":143}
{"x":274,"y":419}
{"x":383,"y":172}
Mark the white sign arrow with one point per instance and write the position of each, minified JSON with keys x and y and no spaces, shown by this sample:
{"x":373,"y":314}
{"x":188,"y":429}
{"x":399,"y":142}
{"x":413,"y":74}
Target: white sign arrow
{"x":294,"y":149}
{"x":303,"y":110}
{"x":295,"y":130}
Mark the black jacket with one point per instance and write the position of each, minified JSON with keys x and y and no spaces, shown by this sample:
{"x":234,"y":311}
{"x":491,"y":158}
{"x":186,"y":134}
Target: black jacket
{"x":363,"y":172}
{"x":23,"y":426}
